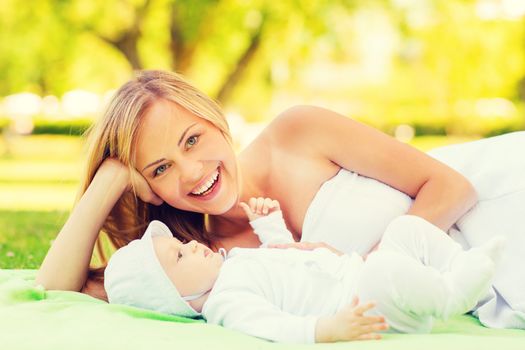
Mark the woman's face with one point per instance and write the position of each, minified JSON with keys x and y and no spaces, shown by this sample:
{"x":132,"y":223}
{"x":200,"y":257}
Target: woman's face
{"x":186,"y":160}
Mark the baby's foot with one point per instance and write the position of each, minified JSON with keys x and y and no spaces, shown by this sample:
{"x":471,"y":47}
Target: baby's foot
{"x":470,"y":276}
{"x":493,"y":248}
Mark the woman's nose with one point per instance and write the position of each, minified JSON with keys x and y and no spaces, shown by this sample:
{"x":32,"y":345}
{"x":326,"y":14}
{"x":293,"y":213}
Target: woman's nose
{"x":190,"y":171}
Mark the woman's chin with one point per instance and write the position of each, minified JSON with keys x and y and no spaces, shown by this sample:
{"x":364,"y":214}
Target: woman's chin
{"x":229,"y":206}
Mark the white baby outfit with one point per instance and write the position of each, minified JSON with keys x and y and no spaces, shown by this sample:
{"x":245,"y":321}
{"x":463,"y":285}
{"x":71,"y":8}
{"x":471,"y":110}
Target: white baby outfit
{"x":417,"y":274}
{"x":351,"y":213}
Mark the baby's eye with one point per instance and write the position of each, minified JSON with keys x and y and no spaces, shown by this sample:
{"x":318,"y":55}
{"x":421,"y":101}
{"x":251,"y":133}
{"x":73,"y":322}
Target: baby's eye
{"x":160,"y":170}
{"x":192,"y":140}
{"x":179,"y":255}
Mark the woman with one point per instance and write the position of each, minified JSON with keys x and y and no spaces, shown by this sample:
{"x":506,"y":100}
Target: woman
{"x":163,"y":151}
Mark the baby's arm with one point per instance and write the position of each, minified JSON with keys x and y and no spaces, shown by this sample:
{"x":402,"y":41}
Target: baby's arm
{"x":248,"y":312}
{"x":267,"y":221}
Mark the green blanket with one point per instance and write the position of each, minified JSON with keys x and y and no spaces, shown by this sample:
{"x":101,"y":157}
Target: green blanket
{"x":31,"y":318}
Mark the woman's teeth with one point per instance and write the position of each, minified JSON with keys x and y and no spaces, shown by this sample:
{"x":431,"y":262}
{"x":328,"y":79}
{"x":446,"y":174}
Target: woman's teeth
{"x":204,"y":188}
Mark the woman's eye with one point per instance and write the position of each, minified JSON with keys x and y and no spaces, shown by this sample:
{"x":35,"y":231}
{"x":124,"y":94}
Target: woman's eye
{"x":161,"y":169}
{"x":192,"y":140}
{"x":179,"y":255}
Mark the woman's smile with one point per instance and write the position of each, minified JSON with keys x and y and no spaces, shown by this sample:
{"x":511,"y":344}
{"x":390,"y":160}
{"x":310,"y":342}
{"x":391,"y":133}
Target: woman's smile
{"x":200,"y":166}
{"x":209,"y":187}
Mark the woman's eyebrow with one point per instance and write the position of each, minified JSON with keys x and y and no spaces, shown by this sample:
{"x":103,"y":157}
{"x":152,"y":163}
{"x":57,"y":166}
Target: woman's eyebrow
{"x":184,"y":133}
{"x":153,"y":163}
{"x":178,"y":144}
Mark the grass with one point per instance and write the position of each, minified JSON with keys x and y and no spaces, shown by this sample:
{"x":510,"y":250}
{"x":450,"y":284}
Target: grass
{"x":38,"y":181}
{"x":26,"y":236}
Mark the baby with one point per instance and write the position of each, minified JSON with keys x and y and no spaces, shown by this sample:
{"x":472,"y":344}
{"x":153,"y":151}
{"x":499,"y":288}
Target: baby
{"x":417,"y":274}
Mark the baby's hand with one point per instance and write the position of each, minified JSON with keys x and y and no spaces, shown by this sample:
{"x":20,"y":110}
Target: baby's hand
{"x":350,"y":323}
{"x":258,"y":207}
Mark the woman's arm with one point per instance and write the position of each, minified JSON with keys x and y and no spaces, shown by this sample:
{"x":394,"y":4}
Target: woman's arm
{"x":66,"y":264}
{"x":441,"y":194}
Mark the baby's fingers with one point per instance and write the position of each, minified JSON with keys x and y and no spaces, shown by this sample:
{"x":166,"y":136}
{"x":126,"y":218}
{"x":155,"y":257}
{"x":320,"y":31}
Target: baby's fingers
{"x":249,"y":213}
{"x":359,"y":310}
{"x":367,"y":320}
{"x":253,"y":204}
{"x":374,"y":327}
{"x":245,"y":207}
{"x":267,"y":205}
{"x":259,"y":205}
{"x":369,"y":336}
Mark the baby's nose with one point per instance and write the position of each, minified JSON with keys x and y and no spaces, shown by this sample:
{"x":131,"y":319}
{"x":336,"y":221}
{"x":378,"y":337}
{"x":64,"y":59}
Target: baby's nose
{"x":192,"y":245}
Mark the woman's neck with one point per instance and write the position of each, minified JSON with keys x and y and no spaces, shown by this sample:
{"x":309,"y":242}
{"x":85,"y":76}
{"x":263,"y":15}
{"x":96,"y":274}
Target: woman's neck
{"x":232,"y":228}
{"x":251,"y":183}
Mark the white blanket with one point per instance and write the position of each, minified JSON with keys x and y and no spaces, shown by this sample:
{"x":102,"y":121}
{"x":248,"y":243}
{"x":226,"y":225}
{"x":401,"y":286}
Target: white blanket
{"x":496,"y":168}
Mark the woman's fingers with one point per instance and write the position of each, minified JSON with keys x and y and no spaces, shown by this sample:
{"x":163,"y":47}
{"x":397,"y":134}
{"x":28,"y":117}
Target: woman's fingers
{"x":143,"y":190}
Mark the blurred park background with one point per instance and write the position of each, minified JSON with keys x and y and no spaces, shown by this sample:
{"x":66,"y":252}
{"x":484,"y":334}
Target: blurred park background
{"x":428,"y":72}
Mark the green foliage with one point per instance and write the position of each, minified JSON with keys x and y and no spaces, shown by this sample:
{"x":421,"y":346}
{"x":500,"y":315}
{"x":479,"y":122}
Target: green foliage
{"x":4,"y":123}
{"x":74,"y":127}
{"x":441,"y":53}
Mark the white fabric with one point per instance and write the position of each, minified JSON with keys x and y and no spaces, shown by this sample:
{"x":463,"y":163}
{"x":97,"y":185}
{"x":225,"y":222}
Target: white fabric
{"x":135,"y":277}
{"x":351,"y":213}
{"x":278,"y":294}
{"x":271,"y":229}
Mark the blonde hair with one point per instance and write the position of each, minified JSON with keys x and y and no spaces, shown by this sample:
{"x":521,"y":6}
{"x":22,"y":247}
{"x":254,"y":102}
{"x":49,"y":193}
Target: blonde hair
{"x":114,"y":136}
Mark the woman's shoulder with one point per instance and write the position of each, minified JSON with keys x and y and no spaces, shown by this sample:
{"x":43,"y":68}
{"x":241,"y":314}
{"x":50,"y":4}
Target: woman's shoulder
{"x":300,"y":125}
{"x":286,"y":129}
{"x":298,"y":119}
{"x":301,"y":132}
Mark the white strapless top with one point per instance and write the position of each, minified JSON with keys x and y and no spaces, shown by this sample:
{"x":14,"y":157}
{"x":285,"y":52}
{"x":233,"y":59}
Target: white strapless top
{"x":351,"y":212}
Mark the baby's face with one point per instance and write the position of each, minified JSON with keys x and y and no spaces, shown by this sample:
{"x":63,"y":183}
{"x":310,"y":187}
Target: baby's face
{"x":192,"y":267}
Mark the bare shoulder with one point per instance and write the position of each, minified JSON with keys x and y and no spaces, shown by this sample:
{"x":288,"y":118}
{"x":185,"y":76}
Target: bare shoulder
{"x":355,"y":146}
{"x":300,"y":120}
{"x":301,"y":126}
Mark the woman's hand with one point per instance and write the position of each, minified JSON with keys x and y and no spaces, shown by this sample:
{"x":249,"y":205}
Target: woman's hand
{"x":133,"y":179}
{"x":143,"y":189}
{"x":306,"y":246}
{"x":350,"y":323}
